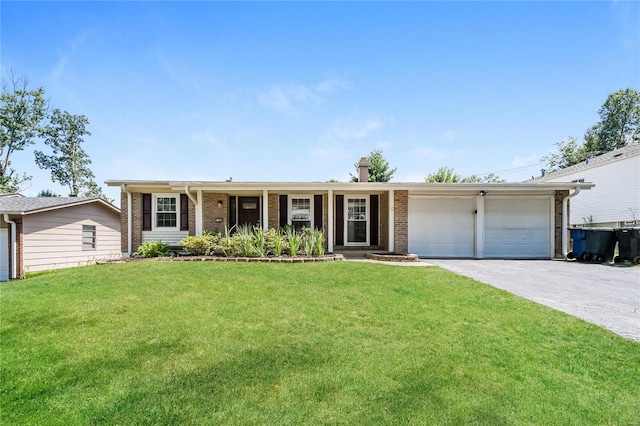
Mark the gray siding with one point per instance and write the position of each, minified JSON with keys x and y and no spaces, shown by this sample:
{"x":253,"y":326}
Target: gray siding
{"x":53,"y":239}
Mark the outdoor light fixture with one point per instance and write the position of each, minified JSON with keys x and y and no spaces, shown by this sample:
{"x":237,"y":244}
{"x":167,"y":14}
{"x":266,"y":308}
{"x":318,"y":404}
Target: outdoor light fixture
{"x":219,"y":203}
{"x":483,"y":193}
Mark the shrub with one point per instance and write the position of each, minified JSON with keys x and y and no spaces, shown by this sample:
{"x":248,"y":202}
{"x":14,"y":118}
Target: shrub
{"x":153,"y":249}
{"x":203,"y":245}
{"x":319,"y":242}
{"x":294,"y":241}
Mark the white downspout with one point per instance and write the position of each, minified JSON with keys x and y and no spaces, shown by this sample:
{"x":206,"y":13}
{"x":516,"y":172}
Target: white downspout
{"x":129,"y":219}
{"x":194,"y":200}
{"x":565,"y":221}
{"x":14,"y":251}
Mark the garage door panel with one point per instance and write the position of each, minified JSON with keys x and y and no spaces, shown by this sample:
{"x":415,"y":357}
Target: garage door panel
{"x":441,"y":227}
{"x":517,"y":228}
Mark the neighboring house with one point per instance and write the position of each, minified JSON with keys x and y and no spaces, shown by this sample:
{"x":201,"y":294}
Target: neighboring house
{"x":43,"y":233}
{"x":615,"y":201}
{"x":509,"y":220}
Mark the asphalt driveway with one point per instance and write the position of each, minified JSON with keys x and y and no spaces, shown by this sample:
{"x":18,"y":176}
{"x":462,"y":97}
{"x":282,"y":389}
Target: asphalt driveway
{"x":608,"y":296}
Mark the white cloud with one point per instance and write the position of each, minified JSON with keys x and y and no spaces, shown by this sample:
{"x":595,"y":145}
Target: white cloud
{"x":285,"y":98}
{"x":449,"y":135}
{"x":356,"y":128}
{"x":59,"y":68}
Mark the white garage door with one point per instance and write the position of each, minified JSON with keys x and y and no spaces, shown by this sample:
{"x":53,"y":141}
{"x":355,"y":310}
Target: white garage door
{"x":442,"y":227}
{"x":4,"y":254}
{"x":517,"y":228}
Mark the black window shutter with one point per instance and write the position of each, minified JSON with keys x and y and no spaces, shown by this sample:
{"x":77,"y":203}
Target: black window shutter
{"x":339,"y":220}
{"x":374,"y":218}
{"x":317,"y":212}
{"x":184,"y":212}
{"x":283,"y":210}
{"x":146,"y":212}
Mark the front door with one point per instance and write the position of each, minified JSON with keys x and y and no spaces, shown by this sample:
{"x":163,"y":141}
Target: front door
{"x":249,"y":211}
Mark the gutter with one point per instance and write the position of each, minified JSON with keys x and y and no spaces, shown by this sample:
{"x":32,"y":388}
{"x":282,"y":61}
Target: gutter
{"x":129,"y":219}
{"x":14,"y":251}
{"x":565,"y":221}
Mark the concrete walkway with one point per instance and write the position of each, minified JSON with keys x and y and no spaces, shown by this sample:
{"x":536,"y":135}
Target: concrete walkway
{"x":605,"y":295}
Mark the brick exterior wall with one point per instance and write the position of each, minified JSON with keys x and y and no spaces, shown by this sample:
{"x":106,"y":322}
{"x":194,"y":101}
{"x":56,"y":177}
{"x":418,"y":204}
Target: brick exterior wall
{"x":136,"y":223}
{"x":192,"y":217}
{"x":273,"y":209}
{"x":211,"y":211}
{"x":384,"y":221}
{"x":401,"y":221}
{"x":559,"y":250}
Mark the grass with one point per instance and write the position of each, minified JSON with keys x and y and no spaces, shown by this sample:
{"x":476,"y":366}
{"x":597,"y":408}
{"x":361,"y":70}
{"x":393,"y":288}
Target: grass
{"x":324,"y":343}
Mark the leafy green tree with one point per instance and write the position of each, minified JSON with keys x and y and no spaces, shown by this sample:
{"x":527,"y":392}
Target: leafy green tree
{"x":69,"y":163}
{"x":379,"y":170}
{"x":21,"y":113}
{"x":447,"y":175}
{"x":619,"y":126}
{"x":443,"y":175}
{"x":47,"y":193}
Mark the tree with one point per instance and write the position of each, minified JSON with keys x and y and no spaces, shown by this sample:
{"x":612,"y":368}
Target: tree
{"x":69,"y":163}
{"x":47,"y":193}
{"x":619,"y":126}
{"x":21,"y":113}
{"x":619,"y":121}
{"x":378,"y":168}
{"x":443,"y":175}
{"x":446,"y":175}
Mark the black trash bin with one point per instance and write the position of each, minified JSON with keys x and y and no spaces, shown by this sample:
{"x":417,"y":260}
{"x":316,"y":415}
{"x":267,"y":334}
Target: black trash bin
{"x":601,"y":243}
{"x":628,"y":242}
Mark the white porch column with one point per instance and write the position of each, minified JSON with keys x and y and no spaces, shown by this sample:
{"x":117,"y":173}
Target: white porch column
{"x":265,"y":209}
{"x":480,"y":227}
{"x":392,"y":220}
{"x":199,"y":215}
{"x":330,"y":221}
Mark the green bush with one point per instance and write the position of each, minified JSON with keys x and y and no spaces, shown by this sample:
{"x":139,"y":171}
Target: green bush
{"x":153,"y":249}
{"x":202,"y":245}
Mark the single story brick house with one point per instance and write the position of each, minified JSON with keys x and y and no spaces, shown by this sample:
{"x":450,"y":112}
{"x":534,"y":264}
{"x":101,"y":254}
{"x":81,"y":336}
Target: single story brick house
{"x":505,"y":220}
{"x":44,"y":233}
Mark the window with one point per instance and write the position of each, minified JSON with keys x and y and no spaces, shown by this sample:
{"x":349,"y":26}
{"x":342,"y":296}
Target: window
{"x":301,"y":208}
{"x":166,"y":212}
{"x":88,"y":237}
{"x":357,"y":221}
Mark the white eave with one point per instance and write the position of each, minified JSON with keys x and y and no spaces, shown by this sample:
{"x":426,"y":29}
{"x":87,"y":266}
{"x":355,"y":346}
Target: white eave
{"x":228,"y":187}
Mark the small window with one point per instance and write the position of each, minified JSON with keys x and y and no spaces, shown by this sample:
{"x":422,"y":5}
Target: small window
{"x":88,"y":237}
{"x":166,"y":212}
{"x":300,"y":213}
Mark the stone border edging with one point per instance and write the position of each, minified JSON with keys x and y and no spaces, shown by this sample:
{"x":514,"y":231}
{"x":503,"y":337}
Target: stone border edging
{"x":281,"y":259}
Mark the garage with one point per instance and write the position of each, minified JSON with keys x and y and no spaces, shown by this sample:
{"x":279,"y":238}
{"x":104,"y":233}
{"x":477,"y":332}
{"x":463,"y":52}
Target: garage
{"x":441,"y":226}
{"x":518,"y":228}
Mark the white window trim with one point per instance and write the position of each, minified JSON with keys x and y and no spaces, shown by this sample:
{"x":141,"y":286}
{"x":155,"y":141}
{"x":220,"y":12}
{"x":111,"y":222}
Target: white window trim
{"x":154,"y":216}
{"x":290,"y":198}
{"x":346,"y":218}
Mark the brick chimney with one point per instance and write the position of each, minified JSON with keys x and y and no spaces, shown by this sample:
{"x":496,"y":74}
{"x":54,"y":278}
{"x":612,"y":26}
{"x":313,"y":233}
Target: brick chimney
{"x":363,"y":170}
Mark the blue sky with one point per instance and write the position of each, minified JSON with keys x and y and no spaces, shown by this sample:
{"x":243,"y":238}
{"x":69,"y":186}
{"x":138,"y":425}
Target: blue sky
{"x":299,"y":91}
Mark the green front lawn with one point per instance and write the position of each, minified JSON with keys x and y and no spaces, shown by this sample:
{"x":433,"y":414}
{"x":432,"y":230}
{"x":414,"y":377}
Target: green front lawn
{"x":323,"y":343}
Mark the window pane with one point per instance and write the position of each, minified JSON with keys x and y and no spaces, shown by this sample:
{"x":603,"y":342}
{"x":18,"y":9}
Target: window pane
{"x":300,"y":213}
{"x":357,"y":232}
{"x":88,"y":237}
{"x":357,"y":209}
{"x":166,"y":204}
{"x":166,"y":220}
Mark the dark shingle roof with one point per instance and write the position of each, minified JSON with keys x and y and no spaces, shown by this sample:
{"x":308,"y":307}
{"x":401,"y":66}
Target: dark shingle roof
{"x":17,"y":204}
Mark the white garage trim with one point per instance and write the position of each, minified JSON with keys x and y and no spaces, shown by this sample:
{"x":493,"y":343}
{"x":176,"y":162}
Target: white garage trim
{"x":518,"y":227}
{"x":442,"y":226}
